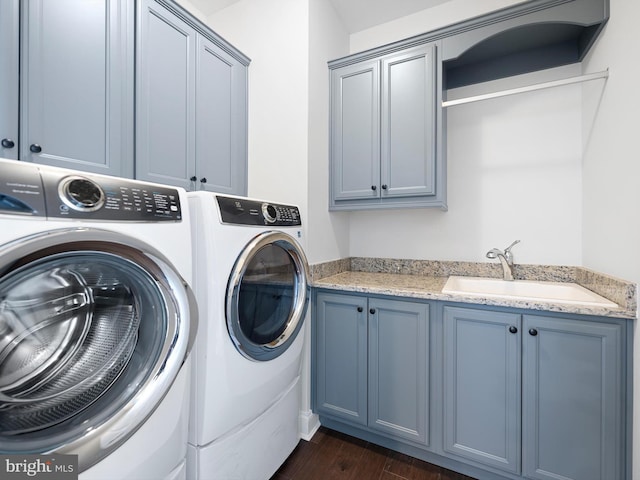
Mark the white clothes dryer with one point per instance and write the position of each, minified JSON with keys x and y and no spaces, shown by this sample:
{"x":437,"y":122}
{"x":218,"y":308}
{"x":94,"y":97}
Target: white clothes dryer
{"x":251,"y":284}
{"x":97,"y":319}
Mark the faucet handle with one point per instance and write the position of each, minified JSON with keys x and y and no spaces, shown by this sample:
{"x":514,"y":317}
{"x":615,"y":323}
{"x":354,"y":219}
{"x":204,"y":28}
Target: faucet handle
{"x":507,"y":252}
{"x":508,"y":249}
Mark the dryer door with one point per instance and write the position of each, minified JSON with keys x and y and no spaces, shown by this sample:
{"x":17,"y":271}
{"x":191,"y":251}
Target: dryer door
{"x":267,"y":296}
{"x":94,"y":328}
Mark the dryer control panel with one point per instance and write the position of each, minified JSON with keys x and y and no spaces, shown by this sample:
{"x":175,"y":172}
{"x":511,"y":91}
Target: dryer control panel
{"x":243,"y":211}
{"x":99,"y":197}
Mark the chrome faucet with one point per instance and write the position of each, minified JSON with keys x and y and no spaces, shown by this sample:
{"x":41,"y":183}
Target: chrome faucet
{"x":506,"y":259}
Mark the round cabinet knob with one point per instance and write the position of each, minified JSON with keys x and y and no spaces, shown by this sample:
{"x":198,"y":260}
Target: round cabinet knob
{"x":194,"y":178}
{"x":35,"y":148}
{"x":360,"y":309}
{"x":513,"y":329}
{"x":384,"y":187}
{"x":372,"y":311}
{"x":8,"y":143}
{"x":203,"y":180}
{"x":533,"y":332}
{"x":374,"y":188}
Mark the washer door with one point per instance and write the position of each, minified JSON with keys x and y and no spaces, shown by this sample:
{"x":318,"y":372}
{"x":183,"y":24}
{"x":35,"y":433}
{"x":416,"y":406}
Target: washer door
{"x":267,"y":296}
{"x":94,"y":328}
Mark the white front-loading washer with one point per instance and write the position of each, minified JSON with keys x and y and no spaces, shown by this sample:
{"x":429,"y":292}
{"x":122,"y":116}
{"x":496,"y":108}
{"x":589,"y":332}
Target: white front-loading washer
{"x":97,"y":319}
{"x":251,"y":284}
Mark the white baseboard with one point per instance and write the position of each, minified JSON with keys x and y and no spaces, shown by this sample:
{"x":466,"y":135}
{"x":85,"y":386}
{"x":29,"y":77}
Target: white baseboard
{"x":309,"y":423}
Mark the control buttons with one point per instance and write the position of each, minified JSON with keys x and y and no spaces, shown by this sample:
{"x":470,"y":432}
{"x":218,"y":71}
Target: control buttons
{"x":81,"y":194}
{"x":270,"y":213}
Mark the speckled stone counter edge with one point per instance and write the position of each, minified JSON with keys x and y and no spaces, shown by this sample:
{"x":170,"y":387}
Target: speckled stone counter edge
{"x":621,"y":292}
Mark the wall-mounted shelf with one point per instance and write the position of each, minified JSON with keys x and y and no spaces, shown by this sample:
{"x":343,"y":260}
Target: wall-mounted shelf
{"x":529,"y":88}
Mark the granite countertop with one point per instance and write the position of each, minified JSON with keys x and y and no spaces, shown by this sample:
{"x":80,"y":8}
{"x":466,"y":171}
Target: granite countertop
{"x":426,"y":284}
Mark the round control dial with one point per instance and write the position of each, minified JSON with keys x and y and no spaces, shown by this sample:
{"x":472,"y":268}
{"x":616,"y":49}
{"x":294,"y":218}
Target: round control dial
{"x":270,"y":213}
{"x":81,"y":194}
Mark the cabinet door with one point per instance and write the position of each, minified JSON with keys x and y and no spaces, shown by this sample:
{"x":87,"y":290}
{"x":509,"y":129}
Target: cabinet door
{"x":572,"y":399}
{"x":399,"y":368}
{"x":9,"y":77}
{"x":482,"y":386}
{"x":408,"y":113}
{"x":221,"y":120}
{"x":165,"y":97}
{"x":77,"y":84}
{"x":355,"y":131}
{"x":341,"y":357}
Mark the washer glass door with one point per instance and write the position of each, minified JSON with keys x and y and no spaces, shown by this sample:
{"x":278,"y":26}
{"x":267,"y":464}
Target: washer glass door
{"x":88,"y":332}
{"x":267,"y":296}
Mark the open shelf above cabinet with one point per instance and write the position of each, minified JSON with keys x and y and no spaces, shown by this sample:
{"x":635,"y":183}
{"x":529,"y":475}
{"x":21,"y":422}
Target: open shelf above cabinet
{"x":524,"y":38}
{"x":520,"y":50}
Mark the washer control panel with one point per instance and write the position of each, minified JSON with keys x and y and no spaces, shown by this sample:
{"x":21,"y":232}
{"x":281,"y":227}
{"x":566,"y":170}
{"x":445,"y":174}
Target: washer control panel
{"x":99,"y":197}
{"x":243,"y":211}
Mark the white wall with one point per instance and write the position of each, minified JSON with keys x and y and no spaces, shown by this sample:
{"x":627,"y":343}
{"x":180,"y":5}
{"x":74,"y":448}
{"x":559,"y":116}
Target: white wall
{"x":611,"y":167}
{"x":327,"y":237}
{"x":193,"y":9}
{"x":611,"y":197}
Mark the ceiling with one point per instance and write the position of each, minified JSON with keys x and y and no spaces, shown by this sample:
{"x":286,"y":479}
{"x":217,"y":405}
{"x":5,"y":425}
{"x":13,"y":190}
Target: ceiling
{"x":356,"y":15}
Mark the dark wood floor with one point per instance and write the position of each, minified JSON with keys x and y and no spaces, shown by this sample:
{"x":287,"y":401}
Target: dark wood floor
{"x":331,"y":455}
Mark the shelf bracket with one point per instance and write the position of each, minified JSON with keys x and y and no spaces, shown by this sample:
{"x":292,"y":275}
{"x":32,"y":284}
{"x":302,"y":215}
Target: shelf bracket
{"x":529,"y":88}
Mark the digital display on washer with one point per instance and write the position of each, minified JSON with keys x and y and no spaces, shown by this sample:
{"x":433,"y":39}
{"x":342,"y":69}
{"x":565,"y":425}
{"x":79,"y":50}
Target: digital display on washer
{"x":242,"y":211}
{"x":105,"y":198}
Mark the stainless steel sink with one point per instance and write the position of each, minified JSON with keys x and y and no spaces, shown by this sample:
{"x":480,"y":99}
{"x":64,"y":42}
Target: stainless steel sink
{"x":557,"y":292}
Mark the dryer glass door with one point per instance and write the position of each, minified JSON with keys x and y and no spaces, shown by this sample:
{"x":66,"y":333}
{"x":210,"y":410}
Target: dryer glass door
{"x":267,"y":296}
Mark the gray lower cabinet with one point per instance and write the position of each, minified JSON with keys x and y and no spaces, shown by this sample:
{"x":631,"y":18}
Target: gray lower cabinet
{"x":385,"y":113}
{"x":493,"y":393}
{"x":573,"y":399}
{"x":481,"y":394}
{"x":191,"y":99}
{"x":76,"y":83}
{"x":341,"y":330}
{"x":566,"y":373}
{"x":372,"y":364}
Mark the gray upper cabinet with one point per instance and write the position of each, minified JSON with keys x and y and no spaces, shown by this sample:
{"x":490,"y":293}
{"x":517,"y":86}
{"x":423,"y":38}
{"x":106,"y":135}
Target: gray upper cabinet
{"x":384,"y":126}
{"x":191,"y":98}
{"x":355,"y":148}
{"x":408,"y":123}
{"x":221,"y":120}
{"x":76,"y":83}
{"x":165,"y":97}
{"x":9,"y":77}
